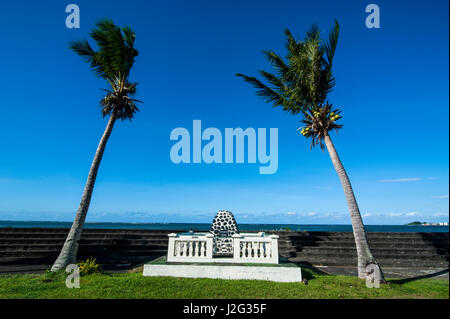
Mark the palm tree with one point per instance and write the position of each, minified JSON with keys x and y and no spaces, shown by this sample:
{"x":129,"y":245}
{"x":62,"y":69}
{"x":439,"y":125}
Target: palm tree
{"x":113,"y":62}
{"x":300,"y":85}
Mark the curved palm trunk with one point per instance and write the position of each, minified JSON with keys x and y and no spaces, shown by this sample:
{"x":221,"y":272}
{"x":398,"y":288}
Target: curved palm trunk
{"x":69,"y":251}
{"x":365,"y":256}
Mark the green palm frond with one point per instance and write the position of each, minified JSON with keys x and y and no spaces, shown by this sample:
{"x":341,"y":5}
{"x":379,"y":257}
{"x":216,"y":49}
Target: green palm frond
{"x":83,"y":49}
{"x":302,"y":81}
{"x":271,"y":95}
{"x":113,"y":61}
{"x":277,"y":62}
{"x":330,"y":46}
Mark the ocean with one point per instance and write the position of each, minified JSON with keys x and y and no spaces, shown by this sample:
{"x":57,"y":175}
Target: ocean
{"x":242,"y":227}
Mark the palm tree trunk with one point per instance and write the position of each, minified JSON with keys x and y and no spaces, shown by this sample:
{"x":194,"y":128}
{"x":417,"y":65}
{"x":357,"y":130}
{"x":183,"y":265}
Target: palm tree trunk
{"x":69,"y":251}
{"x":365,"y":256}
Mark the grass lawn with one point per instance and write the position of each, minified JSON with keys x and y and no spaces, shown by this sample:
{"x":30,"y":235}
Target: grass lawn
{"x":134,"y":285}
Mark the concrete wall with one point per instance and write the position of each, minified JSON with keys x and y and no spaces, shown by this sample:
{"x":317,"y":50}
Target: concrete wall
{"x":34,"y":249}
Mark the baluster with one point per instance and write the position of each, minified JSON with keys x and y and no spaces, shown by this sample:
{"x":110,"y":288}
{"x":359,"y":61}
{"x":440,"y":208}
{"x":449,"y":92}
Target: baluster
{"x":177,"y":248}
{"x":190,"y":250}
{"x":268,"y":249}
{"x":253,"y":249}
{"x":261,"y":254}
{"x":184,"y":248}
{"x":196,"y":248}
{"x":202,"y":249}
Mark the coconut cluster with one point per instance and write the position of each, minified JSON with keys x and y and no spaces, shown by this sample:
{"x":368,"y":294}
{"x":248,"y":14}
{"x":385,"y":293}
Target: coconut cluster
{"x":306,"y":131}
{"x":334,"y":117}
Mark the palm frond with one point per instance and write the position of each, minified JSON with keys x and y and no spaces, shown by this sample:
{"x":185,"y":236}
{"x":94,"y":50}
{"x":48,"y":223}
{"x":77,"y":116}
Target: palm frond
{"x":302,"y":81}
{"x":112,"y":61}
{"x":330,"y":46}
{"x":271,"y":95}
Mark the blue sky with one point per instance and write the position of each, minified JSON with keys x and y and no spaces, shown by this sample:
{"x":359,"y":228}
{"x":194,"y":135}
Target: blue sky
{"x":392,"y":85}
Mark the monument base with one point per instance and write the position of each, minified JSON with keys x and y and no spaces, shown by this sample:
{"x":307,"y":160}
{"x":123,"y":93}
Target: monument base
{"x":277,"y":273}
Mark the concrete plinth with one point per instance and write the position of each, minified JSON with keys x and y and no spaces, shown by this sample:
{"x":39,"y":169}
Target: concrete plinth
{"x":275,"y":273}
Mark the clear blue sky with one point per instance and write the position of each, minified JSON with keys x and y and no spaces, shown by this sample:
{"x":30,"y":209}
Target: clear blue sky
{"x":392,"y":84}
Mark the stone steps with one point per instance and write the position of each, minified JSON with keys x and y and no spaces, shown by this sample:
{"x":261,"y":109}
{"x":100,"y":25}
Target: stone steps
{"x":93,"y":236}
{"x":350,"y":234}
{"x":83,"y":241}
{"x":37,"y":248}
{"x":378,"y":254}
{"x":376,"y":251}
{"x":94,"y":233}
{"x":316,"y":240}
{"x":335,"y":248}
{"x":99,"y":251}
{"x":164,"y":240}
{"x":411,"y":263}
{"x":351,"y":243}
{"x":103,"y":259}
{"x":90,"y":247}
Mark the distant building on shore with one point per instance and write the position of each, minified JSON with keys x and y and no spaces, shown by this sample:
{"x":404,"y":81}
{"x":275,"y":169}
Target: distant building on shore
{"x":427,"y":224}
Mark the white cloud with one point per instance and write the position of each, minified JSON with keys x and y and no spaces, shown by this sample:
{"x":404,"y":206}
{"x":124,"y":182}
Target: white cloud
{"x":412,"y":214}
{"x":310,"y":214}
{"x":323,"y":187}
{"x":441,"y":196}
{"x":400,"y":180}
{"x":394,"y":214}
{"x":291,"y":213}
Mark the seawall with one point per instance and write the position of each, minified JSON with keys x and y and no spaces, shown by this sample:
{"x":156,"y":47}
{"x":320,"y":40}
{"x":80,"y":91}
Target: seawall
{"x":35,"y":249}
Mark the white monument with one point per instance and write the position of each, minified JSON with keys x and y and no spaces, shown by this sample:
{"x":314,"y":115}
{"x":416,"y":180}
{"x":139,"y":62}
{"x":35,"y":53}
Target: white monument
{"x":224,"y":244}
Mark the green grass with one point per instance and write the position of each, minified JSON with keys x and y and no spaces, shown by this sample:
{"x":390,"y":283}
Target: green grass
{"x":135,"y":285}
{"x":282,"y":263}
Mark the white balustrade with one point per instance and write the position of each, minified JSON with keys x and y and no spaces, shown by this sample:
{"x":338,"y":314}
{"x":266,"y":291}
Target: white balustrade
{"x":189,"y":248}
{"x":247,"y":248}
{"x":253,"y":249}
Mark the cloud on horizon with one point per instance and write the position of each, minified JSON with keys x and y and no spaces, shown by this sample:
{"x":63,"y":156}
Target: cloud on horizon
{"x":407,"y":179}
{"x":400,"y":180}
{"x":441,"y":196}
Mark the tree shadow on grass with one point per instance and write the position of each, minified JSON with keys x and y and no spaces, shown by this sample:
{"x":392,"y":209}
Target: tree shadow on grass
{"x":406,"y":280}
{"x":309,"y":272}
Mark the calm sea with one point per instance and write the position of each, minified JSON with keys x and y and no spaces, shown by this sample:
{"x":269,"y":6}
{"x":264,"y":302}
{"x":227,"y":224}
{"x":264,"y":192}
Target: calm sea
{"x":205,"y":226}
